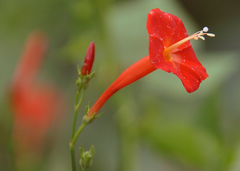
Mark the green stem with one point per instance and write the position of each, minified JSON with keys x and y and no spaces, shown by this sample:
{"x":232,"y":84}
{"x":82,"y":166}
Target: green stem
{"x":77,"y":133}
{"x":72,"y":143}
{"x":78,"y":103}
{"x":76,"y":110}
{"x":72,"y":156}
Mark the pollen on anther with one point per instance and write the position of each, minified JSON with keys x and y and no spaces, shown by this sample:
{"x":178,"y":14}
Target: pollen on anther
{"x":210,"y":34}
{"x":201,"y":37}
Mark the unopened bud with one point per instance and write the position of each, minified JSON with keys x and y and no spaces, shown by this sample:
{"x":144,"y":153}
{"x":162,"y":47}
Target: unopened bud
{"x":86,"y":157}
{"x":88,"y":61}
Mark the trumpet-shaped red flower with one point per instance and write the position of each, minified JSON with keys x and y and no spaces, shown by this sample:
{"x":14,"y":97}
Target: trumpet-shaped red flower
{"x":34,"y":105}
{"x":88,"y":61}
{"x":169,"y":49}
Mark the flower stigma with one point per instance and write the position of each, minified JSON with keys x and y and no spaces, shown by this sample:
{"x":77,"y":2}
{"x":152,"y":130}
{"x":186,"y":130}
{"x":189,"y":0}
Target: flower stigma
{"x":198,"y":35}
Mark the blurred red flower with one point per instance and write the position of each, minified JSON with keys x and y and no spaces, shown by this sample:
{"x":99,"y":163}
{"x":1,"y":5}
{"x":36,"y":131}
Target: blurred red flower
{"x":34,"y":105}
{"x":169,"y":49}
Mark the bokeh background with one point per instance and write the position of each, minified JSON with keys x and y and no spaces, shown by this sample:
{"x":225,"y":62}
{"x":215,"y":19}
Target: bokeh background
{"x":153,"y":124}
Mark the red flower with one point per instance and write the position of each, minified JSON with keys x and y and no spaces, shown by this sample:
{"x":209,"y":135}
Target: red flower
{"x":169,"y":50}
{"x":34,"y":105}
{"x":89,"y":58}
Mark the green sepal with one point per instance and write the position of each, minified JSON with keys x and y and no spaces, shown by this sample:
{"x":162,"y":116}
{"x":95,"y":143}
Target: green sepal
{"x":84,"y":79}
{"x":85,"y":157}
{"x":86,"y":119}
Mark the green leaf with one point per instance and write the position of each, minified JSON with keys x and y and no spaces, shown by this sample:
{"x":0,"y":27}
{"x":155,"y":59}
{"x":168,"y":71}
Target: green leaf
{"x":182,"y":141}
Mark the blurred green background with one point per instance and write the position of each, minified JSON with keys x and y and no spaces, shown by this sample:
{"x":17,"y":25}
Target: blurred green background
{"x":153,"y":124}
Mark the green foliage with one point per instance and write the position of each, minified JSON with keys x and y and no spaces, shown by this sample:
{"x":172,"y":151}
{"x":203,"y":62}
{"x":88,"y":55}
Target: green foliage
{"x":198,"y":131}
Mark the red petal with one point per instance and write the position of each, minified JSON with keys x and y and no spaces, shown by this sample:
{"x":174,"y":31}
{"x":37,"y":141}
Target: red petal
{"x":164,"y":30}
{"x":156,"y":48}
{"x":166,"y":27}
{"x":187,"y":67}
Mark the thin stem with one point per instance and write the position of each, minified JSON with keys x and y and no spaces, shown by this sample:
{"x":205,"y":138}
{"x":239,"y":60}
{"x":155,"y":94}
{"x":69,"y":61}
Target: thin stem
{"x":72,"y":143}
{"x":72,"y":156}
{"x":77,"y":133}
{"x":78,"y":103}
{"x":75,"y":110}
{"x":76,"y":107}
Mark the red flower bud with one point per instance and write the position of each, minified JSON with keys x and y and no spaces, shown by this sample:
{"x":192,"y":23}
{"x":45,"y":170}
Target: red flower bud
{"x":88,"y":61}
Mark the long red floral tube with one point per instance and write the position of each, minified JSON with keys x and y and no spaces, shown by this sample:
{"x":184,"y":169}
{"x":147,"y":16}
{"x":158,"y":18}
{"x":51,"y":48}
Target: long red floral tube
{"x":138,"y":70}
{"x":169,"y":50}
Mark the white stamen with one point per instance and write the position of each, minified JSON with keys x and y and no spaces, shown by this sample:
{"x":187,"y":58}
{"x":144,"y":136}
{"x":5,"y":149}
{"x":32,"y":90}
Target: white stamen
{"x":200,"y":34}
{"x":210,"y":34}
{"x":201,"y":37}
